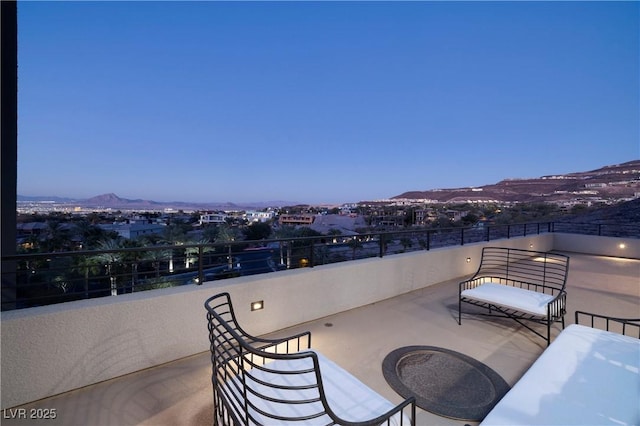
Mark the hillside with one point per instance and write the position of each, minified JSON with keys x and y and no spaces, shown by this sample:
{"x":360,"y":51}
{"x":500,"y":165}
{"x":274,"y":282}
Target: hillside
{"x":609,"y":183}
{"x":627,"y":213}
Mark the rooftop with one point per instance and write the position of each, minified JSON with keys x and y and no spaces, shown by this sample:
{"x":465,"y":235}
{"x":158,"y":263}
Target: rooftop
{"x":358,"y":339}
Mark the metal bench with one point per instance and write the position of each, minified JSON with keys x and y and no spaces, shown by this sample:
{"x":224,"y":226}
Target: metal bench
{"x":524,"y":285}
{"x":260,"y":381}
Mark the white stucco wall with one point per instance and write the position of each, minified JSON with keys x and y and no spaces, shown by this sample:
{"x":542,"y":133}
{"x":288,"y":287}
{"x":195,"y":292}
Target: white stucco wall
{"x":592,"y":244}
{"x":54,"y":349}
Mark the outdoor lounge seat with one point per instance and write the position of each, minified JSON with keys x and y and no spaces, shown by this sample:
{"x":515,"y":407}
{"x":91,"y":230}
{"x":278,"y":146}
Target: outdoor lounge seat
{"x":283,"y":382}
{"x":524,"y":285}
{"x":587,"y":376}
{"x":526,"y":301}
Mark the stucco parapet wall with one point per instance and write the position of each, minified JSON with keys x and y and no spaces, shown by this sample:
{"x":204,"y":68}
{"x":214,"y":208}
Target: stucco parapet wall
{"x":53,"y":349}
{"x":602,"y":246}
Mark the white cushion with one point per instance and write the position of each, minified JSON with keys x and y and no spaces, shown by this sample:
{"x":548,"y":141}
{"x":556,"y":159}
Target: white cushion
{"x":585,"y":377}
{"x":347,"y":396}
{"x":506,"y":296}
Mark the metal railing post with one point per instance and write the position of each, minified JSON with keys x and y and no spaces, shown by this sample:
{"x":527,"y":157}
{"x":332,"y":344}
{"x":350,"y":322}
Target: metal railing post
{"x":200,"y":265}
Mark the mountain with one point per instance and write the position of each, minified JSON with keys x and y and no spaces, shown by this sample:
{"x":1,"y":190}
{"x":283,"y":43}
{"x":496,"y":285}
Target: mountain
{"x":111,"y":200}
{"x":43,"y":199}
{"x":615,"y":182}
{"x":627,"y":213}
{"x":114,"y":202}
{"x":610,"y":183}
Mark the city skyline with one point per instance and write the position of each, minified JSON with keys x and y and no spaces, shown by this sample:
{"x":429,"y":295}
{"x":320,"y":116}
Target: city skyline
{"x":319,"y":102}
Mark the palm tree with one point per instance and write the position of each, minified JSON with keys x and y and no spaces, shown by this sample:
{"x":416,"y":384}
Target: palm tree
{"x":90,"y":234}
{"x":86,"y":265}
{"x":157,"y":257}
{"x":174,"y":234}
{"x":192,"y":254}
{"x":133,"y":258}
{"x":226,"y":234}
{"x":283,"y":233}
{"x":56,"y":237}
{"x":355,"y":244}
{"x":110,"y":260}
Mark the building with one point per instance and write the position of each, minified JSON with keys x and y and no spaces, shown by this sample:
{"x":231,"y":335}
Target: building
{"x":134,"y":230}
{"x":296,"y":219}
{"x":213,"y":218}
{"x":256,"y":216}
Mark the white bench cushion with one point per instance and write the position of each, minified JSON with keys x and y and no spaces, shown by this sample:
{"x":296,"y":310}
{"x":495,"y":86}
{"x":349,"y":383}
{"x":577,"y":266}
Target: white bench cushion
{"x":506,"y":296}
{"x":585,"y":377}
{"x":347,"y":396}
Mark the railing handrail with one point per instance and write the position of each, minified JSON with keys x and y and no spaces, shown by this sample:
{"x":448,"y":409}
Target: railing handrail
{"x":551,"y":225}
{"x":219,"y":260}
{"x":245,"y":242}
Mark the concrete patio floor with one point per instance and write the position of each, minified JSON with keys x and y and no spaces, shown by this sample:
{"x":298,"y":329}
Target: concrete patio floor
{"x":179,"y":393}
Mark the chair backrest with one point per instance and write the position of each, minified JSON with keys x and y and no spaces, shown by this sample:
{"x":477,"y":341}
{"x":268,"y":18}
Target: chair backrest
{"x":536,"y":268}
{"x":222,"y":318}
{"x":253,"y":380}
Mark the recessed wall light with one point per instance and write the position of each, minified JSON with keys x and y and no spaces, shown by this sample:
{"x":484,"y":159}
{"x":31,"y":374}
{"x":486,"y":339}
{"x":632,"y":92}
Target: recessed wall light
{"x":468,"y":260}
{"x":256,"y":306}
{"x":622,"y":245}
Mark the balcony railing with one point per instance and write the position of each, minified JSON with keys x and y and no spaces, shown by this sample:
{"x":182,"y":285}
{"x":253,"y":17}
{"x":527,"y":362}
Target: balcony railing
{"x":47,"y":278}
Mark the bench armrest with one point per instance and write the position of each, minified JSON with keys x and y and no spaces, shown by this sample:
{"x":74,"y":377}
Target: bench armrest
{"x":285,"y":345}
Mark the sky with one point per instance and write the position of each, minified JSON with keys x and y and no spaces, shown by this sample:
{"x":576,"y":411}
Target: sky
{"x":319,"y":102}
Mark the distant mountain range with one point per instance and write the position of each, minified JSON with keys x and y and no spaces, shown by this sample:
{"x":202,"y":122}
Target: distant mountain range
{"x":113,"y":201}
{"x":615,"y":182}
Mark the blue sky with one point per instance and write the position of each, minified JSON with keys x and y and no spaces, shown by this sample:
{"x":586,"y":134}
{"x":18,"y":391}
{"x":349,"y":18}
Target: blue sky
{"x":319,"y":102}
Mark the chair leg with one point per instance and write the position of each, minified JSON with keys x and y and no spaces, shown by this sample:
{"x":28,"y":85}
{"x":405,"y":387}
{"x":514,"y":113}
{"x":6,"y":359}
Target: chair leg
{"x":549,"y":321}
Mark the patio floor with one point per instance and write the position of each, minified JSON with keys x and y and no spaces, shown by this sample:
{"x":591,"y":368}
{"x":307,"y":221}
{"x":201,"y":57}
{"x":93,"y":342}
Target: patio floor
{"x":179,"y":393}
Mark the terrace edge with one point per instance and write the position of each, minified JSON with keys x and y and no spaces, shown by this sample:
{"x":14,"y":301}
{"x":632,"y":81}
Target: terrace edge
{"x":57,"y":348}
